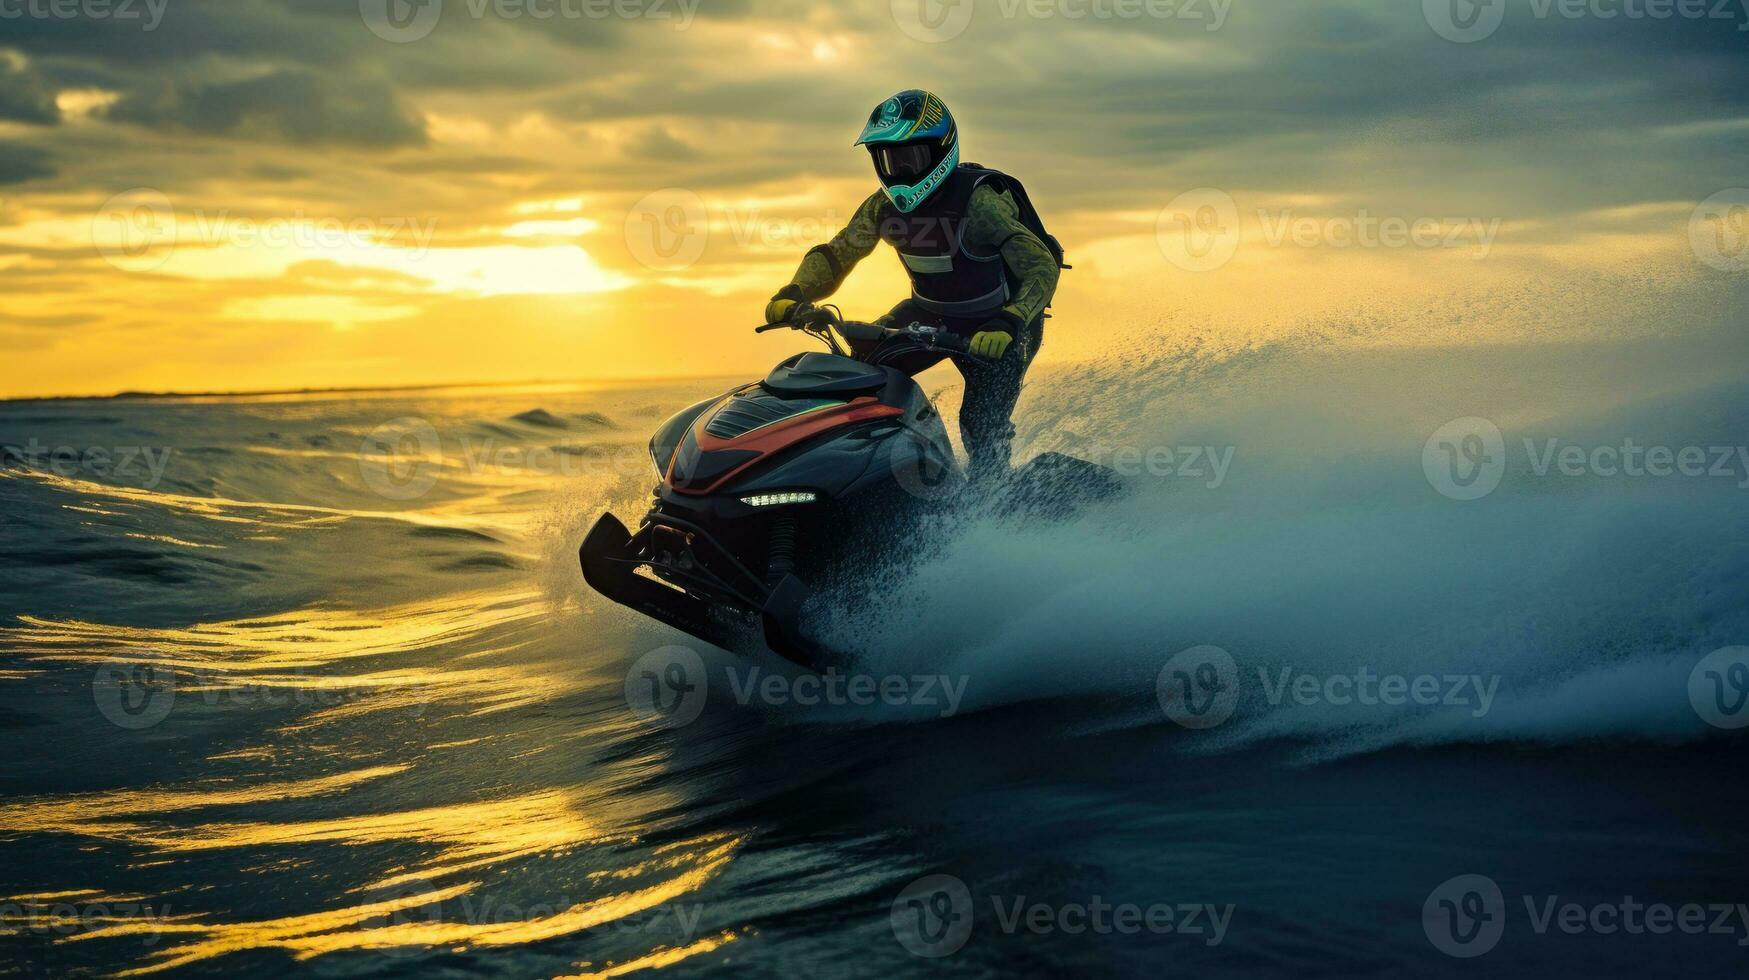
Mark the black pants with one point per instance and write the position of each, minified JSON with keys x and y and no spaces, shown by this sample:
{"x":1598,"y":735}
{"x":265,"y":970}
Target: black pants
{"x":992,"y":387}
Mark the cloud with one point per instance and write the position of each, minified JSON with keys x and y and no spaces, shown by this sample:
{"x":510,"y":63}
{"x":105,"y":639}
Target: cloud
{"x":277,"y":172}
{"x":472,"y":164}
{"x":25,"y":97}
{"x":1338,"y":106}
{"x":304,"y":30}
{"x":21,"y":162}
{"x":291,"y":106}
{"x":49,"y":321}
{"x":657,"y":143}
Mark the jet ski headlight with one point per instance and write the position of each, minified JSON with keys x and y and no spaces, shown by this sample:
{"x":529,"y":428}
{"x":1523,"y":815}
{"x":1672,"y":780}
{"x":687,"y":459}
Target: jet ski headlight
{"x":780,"y":498}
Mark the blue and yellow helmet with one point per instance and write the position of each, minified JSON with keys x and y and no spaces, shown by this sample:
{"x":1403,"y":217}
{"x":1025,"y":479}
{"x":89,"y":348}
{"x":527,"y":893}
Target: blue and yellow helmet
{"x":915,"y":145}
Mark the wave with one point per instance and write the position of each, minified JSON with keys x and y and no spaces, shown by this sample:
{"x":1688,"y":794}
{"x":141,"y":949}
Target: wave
{"x":547,"y":420}
{"x":1326,"y":547}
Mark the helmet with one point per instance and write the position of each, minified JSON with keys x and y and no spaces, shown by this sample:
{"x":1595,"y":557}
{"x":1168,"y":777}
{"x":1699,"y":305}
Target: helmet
{"x":915,"y":146}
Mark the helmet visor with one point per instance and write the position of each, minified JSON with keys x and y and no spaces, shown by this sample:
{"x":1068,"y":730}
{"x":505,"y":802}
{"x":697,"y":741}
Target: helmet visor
{"x":903,"y":163}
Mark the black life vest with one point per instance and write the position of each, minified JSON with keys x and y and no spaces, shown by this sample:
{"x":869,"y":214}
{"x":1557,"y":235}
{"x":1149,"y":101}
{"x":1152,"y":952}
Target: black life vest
{"x":948,"y":278}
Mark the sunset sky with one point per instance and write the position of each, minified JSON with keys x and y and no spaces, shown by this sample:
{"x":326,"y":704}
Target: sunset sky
{"x":255,"y":194}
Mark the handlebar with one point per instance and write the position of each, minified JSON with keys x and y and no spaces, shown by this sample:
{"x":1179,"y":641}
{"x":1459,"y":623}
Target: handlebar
{"x":952,"y":342}
{"x":806,"y":317}
{"x":818,"y":321}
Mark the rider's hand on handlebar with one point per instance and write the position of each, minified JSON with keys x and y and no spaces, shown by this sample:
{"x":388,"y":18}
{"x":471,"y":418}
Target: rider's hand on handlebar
{"x":778,"y":310}
{"x":783,"y":304}
{"x":993,"y":338}
{"x":991,"y":344}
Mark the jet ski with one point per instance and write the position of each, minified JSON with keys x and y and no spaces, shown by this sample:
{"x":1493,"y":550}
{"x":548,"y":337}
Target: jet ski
{"x":781,"y":483}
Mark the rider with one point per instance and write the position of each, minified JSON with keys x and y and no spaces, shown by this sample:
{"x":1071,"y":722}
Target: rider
{"x":976,"y":268}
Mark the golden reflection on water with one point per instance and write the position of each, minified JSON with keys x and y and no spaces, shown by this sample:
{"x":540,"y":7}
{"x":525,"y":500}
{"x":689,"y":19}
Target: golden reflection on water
{"x":113,"y":814}
{"x":416,"y":867}
{"x":414,"y":918}
{"x":402,"y":905}
{"x":78,"y":909}
{"x":467,"y":835}
{"x":658,"y":959}
{"x":305,"y":650}
{"x":301,"y":638}
{"x":464,"y":513}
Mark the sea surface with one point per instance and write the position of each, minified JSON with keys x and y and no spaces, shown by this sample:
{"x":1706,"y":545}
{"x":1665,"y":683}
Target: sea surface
{"x":1344,"y":686}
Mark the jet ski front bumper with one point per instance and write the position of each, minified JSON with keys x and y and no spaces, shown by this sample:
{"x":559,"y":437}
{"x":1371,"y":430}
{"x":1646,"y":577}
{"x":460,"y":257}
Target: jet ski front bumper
{"x":675,"y":572}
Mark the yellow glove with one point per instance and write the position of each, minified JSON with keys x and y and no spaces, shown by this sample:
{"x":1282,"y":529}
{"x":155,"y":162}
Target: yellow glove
{"x":991,"y":344}
{"x":778,"y":310}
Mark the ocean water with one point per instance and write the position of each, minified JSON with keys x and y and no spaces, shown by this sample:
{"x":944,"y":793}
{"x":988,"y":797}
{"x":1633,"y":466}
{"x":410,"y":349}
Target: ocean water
{"x":1359,"y":679}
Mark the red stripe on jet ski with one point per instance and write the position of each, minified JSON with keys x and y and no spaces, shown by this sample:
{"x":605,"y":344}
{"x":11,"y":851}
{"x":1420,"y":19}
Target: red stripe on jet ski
{"x":778,"y":436}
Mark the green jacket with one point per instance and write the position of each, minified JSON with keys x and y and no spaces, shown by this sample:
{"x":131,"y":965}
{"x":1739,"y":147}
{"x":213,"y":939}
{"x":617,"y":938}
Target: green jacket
{"x":992,"y":222}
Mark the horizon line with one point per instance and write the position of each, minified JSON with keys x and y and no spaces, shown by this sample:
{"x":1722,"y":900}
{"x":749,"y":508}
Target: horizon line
{"x":135,"y":395}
